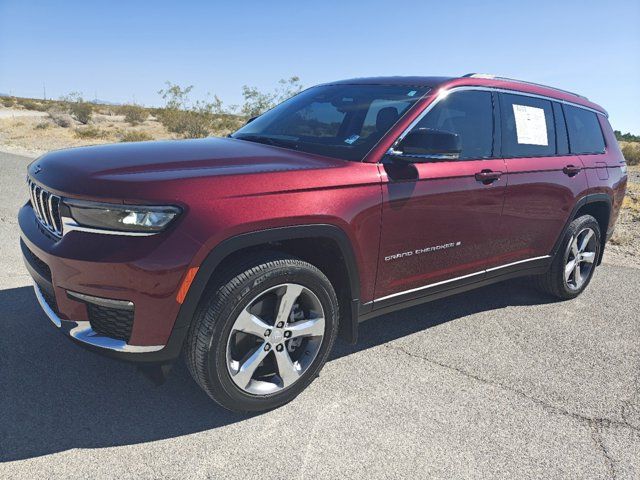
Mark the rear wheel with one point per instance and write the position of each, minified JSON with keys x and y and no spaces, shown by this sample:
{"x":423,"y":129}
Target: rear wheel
{"x":574,"y":264}
{"x":263,"y":334}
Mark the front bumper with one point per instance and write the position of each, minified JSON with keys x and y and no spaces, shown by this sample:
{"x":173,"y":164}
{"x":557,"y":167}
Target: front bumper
{"x":145,"y":271}
{"x":82,"y":332}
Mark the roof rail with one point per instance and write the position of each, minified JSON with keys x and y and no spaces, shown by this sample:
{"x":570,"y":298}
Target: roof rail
{"x":497,"y":77}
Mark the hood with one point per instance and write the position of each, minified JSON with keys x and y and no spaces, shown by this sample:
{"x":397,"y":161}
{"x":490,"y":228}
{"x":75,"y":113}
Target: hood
{"x":105,"y":170}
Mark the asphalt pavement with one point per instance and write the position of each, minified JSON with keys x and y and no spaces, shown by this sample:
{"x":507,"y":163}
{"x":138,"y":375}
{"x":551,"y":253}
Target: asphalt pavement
{"x":502,"y":382}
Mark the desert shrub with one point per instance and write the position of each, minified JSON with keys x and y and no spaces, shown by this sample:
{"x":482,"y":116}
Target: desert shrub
{"x":626,"y":137}
{"x":60,"y":118}
{"x":29,"y":104}
{"x":8,"y":101}
{"x":202,"y":118}
{"x":631,"y":152}
{"x":257,"y":102}
{"x":190,"y":120}
{"x":81,"y":111}
{"x":134,"y":114}
{"x":42,"y":126}
{"x":77,"y":107}
{"x":90,"y":132}
{"x":187,"y":123}
{"x":135,"y":136}
{"x":225,"y":124}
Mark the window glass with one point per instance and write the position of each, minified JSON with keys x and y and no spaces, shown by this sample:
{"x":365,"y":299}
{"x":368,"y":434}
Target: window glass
{"x":528,"y":128}
{"x":585,"y":134}
{"x":562,"y":141}
{"x":379,"y":108}
{"x":318,"y":119}
{"x":470,"y":115}
{"x":342,"y":121}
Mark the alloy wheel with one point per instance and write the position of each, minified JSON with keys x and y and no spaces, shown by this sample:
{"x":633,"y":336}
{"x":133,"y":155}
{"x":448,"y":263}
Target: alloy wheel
{"x":275,"y":339}
{"x":580,"y":258}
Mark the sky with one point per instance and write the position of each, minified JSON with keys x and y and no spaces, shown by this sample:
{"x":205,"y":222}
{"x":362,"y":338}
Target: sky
{"x":124,"y":51}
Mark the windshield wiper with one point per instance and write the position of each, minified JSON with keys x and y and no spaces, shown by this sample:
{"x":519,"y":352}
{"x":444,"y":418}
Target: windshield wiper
{"x":276,"y":142}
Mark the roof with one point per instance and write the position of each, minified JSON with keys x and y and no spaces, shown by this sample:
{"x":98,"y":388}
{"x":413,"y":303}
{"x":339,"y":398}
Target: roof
{"x":477,"y":80}
{"x":408,"y":81}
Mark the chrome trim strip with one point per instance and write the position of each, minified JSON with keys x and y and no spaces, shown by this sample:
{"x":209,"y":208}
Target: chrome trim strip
{"x":103,"y":302}
{"x":82,"y":332}
{"x":50,"y":208}
{"x":42,"y":203}
{"x":493,"y":269}
{"x":443,"y":93}
{"x":70,"y":225}
{"x":431,"y":285}
{"x":45,"y":210}
{"x":444,"y":282}
{"x":45,"y":306}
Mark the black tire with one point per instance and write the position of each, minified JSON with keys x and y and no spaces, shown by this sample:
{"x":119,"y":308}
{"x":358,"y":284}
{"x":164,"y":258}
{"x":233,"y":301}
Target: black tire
{"x":553,"y":281}
{"x":206,"y":343}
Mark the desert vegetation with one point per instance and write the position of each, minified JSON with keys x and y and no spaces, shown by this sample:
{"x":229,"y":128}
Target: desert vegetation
{"x":179,"y":117}
{"x":631,"y":152}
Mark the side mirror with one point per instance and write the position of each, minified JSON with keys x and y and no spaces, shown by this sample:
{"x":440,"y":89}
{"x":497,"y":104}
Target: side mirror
{"x":425,"y":144}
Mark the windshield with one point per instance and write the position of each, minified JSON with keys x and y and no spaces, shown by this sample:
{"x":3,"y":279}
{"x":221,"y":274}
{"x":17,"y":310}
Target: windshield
{"x":341,"y":121}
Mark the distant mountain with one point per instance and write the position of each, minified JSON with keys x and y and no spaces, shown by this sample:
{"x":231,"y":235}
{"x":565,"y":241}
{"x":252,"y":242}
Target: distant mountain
{"x":4,"y":94}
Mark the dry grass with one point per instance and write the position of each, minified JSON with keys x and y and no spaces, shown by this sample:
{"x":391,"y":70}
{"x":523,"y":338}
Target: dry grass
{"x":631,"y":152}
{"x":632,"y":200}
{"x":135,"y":136}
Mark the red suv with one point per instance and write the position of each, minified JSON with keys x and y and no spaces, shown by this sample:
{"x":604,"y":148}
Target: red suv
{"x":250,"y":254}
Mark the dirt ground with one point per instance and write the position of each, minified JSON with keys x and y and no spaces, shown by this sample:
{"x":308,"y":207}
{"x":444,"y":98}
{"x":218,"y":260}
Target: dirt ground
{"x":35,"y":133}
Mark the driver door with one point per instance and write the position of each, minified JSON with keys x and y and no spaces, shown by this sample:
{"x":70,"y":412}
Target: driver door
{"x":440,"y":218}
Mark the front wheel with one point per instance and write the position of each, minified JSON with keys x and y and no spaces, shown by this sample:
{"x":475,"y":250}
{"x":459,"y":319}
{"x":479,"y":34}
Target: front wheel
{"x":573,"y":266}
{"x":263,"y":334}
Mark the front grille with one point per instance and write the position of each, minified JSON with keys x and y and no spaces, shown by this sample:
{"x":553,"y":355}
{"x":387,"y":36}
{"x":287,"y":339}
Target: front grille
{"x":38,"y":265}
{"x":47,"y":208}
{"x":111,"y":322}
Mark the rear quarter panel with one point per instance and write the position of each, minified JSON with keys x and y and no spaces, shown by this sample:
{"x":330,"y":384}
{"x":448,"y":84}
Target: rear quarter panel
{"x":605,"y":173}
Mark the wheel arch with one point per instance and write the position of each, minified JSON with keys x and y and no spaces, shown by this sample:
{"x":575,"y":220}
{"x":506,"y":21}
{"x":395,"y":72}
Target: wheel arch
{"x":599,"y":206}
{"x":299,"y":240}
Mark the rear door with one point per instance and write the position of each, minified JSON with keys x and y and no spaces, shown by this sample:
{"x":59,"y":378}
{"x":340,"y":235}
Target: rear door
{"x":544,"y":178}
{"x":440,"y":219}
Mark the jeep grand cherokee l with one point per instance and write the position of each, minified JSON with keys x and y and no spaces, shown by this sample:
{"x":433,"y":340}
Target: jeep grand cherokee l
{"x":250,"y":254}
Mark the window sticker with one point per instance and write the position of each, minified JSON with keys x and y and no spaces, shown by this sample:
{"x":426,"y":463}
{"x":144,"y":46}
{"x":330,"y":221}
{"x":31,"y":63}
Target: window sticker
{"x":350,"y":140}
{"x":411,"y":93}
{"x":531,"y":127}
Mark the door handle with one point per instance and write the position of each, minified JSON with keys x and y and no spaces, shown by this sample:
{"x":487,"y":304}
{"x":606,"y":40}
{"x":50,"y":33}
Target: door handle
{"x":571,"y":170}
{"x":488,"y":176}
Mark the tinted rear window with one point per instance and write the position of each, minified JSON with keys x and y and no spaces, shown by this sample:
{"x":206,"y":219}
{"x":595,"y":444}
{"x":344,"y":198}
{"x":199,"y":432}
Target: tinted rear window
{"x":585,"y":134}
{"x":528,"y":128}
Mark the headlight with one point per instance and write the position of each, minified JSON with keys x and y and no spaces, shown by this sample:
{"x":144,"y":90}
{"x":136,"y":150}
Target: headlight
{"x":121,"y":218}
